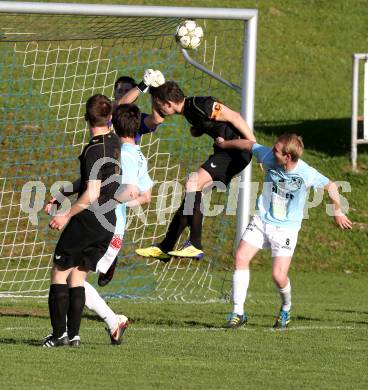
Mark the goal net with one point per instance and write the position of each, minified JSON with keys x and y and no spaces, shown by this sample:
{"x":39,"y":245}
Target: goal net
{"x":49,"y":66}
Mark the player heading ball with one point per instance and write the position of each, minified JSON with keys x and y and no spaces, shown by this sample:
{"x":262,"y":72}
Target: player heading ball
{"x":206,"y":115}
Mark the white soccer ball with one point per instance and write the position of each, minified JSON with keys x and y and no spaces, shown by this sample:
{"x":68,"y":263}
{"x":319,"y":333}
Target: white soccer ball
{"x":189,"y":34}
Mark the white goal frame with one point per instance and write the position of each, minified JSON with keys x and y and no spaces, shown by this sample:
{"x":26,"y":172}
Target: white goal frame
{"x":249,"y":16}
{"x":355,"y":140}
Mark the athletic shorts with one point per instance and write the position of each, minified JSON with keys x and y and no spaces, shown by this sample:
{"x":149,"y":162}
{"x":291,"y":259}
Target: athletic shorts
{"x":224,"y":165}
{"x":86,"y":243}
{"x":263,"y":235}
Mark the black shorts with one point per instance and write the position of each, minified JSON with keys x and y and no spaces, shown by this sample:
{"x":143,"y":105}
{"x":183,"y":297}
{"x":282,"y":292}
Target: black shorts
{"x":224,"y":165}
{"x":85,"y":242}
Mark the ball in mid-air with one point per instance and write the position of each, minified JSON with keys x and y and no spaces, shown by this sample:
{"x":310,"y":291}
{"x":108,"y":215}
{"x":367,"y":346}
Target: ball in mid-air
{"x":189,"y":34}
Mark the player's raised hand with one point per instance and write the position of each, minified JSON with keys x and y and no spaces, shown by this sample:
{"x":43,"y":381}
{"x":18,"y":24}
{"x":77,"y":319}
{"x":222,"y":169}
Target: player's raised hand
{"x":158,"y":79}
{"x":343,"y":221}
{"x":148,"y":77}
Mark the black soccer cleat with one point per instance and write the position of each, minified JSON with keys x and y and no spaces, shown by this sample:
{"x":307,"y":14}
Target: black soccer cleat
{"x":104,"y":279}
{"x":236,"y":320}
{"x":51,"y":341}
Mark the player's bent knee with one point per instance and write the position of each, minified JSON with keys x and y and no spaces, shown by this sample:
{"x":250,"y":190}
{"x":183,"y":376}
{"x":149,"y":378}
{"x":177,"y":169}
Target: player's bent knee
{"x":242,"y":260}
{"x":280,"y":279}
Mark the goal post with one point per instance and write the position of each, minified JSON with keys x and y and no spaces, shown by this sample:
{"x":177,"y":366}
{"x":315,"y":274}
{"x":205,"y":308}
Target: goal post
{"x":359,"y":104}
{"x":53,"y":56}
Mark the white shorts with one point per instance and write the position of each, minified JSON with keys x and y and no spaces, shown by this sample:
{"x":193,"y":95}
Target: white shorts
{"x":263,"y":235}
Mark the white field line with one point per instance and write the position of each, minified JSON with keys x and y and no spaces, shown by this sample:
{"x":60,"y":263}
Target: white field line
{"x":195,"y":330}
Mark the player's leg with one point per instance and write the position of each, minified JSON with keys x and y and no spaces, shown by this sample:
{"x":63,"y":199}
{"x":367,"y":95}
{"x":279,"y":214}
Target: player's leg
{"x":195,"y":186}
{"x":115,"y":245}
{"x":77,"y":299}
{"x":116,"y":324}
{"x":58,"y":303}
{"x":181,"y":220}
{"x":176,"y":227}
{"x":107,"y":264}
{"x":220,"y":167}
{"x":280,"y":268}
{"x":193,"y":213}
{"x":283,"y":243}
{"x":244,"y":255}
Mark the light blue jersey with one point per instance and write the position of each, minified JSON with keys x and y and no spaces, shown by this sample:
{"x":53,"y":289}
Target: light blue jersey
{"x":284,"y":192}
{"x":134,"y":172}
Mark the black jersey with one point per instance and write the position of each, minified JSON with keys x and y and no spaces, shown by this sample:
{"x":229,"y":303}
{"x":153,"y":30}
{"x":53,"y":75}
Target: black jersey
{"x":198,"y":111}
{"x":100,"y":160}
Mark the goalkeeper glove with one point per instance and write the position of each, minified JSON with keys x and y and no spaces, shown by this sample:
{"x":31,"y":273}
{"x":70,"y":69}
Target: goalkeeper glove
{"x":151,"y":78}
{"x":148,"y":77}
{"x":158,"y":79}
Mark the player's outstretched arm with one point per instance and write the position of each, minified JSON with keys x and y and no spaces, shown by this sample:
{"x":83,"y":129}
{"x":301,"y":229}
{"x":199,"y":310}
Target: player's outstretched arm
{"x":223,"y":113}
{"x":130,"y":97}
{"x":340,"y":218}
{"x":151,"y":78}
{"x":242,"y":144}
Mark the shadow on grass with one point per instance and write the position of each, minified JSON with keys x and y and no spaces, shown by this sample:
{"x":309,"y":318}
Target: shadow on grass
{"x":41,"y":314}
{"x":330,"y":136}
{"x":347,"y":311}
{"x":11,"y":341}
{"x":174,"y":323}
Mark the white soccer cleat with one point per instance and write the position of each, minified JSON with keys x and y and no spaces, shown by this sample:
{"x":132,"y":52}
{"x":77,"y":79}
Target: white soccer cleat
{"x":117,"y":333}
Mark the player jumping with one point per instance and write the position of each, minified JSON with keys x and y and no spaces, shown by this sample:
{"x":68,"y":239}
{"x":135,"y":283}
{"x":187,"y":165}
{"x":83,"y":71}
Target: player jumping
{"x":206,"y":116}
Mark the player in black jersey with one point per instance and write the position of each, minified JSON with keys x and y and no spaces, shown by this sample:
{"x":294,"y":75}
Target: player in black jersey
{"x":88,"y":232}
{"x":206,"y":116}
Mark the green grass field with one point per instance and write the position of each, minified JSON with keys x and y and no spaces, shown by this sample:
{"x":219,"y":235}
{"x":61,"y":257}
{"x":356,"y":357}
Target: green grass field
{"x":176,"y":345}
{"x":303,"y":85}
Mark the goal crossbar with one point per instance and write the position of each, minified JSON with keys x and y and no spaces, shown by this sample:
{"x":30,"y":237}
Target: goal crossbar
{"x":126,"y":10}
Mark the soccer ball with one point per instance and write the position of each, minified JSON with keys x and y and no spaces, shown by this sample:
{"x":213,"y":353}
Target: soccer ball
{"x":189,"y":34}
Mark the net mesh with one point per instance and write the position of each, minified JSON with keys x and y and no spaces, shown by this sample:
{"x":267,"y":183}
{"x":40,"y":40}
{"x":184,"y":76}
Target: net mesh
{"x":49,"y":66}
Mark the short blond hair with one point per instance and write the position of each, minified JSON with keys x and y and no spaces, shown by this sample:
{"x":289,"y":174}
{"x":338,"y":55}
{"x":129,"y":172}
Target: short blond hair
{"x":292,"y":144}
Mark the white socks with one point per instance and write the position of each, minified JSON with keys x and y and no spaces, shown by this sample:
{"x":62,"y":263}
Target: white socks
{"x":285,"y":294}
{"x":240,"y":287}
{"x":95,"y":303}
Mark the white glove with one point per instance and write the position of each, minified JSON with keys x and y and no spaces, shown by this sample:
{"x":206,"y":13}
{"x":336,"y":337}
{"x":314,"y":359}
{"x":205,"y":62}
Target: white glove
{"x":158,"y":79}
{"x":149,"y":77}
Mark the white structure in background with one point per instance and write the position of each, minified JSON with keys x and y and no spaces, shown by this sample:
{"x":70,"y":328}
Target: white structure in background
{"x":356,"y":103}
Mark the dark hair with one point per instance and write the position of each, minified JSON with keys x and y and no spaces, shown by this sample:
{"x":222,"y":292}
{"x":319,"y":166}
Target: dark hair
{"x":169,"y":91}
{"x":98,"y":110}
{"x":126,"y":120}
{"x":118,"y":84}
